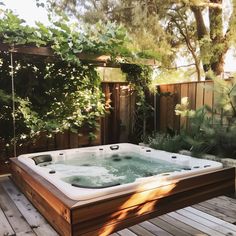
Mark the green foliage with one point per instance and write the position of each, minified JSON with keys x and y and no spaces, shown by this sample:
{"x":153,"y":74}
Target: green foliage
{"x":200,"y":133}
{"x":60,"y":95}
{"x":64,"y":94}
{"x":213,"y":130}
{"x":225,"y":99}
{"x":149,"y":39}
{"x":206,"y":130}
{"x":162,"y":28}
{"x":171,"y":76}
{"x":140,"y":81}
{"x":50,"y":97}
{"x":166,"y":142}
{"x":13,"y":30}
{"x":65,"y":38}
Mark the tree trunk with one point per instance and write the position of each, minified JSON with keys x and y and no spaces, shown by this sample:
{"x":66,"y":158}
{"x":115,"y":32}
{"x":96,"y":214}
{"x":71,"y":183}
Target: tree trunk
{"x":217,"y":48}
{"x":201,"y":33}
{"x":218,"y":66}
{"x":217,"y":37}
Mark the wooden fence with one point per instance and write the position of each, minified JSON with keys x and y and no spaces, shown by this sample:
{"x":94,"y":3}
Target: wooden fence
{"x":198,"y":93}
{"x":114,"y":127}
{"x":118,"y":123}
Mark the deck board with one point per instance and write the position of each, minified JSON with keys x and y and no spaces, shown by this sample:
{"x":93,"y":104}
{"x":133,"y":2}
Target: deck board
{"x":154,"y":229}
{"x":228,"y":212}
{"x":215,"y":213}
{"x":35,"y":220}
{"x":5,"y":227}
{"x":208,"y":222}
{"x":212,"y":217}
{"x":217,"y":221}
{"x":181,"y":225}
{"x":222,"y":203}
{"x":195,"y":224}
{"x":13,"y":215}
{"x":140,"y":231}
{"x":126,"y":232}
{"x":172,"y":229}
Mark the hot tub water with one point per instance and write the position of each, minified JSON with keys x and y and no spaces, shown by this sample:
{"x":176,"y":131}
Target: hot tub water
{"x":102,"y":169}
{"x":93,"y":172}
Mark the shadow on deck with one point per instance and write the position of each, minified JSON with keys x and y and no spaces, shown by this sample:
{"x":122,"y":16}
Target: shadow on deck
{"x":216,"y":216}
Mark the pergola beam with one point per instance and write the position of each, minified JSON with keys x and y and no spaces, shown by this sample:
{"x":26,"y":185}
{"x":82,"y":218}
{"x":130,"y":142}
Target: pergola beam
{"x":94,"y":59}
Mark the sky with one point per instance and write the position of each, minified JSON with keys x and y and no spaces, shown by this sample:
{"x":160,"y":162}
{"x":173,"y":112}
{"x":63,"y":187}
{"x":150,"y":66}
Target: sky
{"x":27,"y":10}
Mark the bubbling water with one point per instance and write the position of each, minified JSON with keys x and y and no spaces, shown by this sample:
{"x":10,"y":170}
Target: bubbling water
{"x":93,"y":170}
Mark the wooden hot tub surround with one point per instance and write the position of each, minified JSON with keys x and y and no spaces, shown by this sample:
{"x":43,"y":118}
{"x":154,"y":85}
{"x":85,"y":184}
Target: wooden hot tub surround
{"x":104,"y":215}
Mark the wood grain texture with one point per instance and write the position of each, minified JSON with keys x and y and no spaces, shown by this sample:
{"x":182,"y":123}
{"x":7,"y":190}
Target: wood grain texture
{"x":5,"y":227}
{"x":207,"y":221}
{"x":166,"y":224}
{"x":199,"y":95}
{"x":13,"y":215}
{"x":183,"y":226}
{"x":215,"y":213}
{"x":50,"y":202}
{"x":163,"y":108}
{"x":172,"y":229}
{"x":192,"y":95}
{"x":208,"y":94}
{"x":108,"y":214}
{"x":171,"y":107}
{"x":184,"y":93}
{"x":177,"y":99}
{"x":95,"y":59}
{"x":194,"y":223}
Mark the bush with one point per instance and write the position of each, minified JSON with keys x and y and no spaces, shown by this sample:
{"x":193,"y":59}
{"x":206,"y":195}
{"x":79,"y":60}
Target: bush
{"x":209,"y":130}
{"x":166,"y":142}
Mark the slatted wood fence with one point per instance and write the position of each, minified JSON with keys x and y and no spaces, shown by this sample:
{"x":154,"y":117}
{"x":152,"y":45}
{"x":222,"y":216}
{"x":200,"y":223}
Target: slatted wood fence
{"x":117,"y":124}
{"x":114,"y":127}
{"x":199,"y":94}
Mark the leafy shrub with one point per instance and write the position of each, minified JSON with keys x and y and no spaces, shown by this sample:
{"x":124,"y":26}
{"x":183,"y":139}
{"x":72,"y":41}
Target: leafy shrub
{"x":212,"y":130}
{"x":59,"y":93}
{"x":208,"y":130}
{"x":166,"y":142}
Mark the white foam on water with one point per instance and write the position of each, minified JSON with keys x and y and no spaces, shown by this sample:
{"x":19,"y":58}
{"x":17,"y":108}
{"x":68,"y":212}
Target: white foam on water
{"x":96,"y":174}
{"x":95,"y":170}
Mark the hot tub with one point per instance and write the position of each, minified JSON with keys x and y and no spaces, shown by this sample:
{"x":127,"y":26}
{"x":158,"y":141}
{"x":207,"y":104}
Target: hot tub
{"x":87,"y":173}
{"x":99,"y":190}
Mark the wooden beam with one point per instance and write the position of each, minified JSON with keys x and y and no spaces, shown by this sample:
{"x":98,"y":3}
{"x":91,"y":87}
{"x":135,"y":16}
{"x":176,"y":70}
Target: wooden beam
{"x":94,"y":59}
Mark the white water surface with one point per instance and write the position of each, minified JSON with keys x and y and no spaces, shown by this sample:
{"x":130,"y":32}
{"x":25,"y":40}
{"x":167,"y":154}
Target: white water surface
{"x":94,"y":170}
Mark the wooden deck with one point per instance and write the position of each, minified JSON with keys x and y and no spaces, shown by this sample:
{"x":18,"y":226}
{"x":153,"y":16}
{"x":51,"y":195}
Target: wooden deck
{"x":215,"y":217}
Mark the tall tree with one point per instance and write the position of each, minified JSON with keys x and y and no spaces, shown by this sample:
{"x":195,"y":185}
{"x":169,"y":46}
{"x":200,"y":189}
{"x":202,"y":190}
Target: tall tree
{"x":205,"y":28}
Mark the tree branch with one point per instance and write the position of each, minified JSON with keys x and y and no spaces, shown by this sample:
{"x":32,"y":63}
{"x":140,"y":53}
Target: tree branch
{"x":201,"y":28}
{"x":176,"y":67}
{"x":232,"y":22}
{"x":208,"y":4}
{"x":188,"y":42}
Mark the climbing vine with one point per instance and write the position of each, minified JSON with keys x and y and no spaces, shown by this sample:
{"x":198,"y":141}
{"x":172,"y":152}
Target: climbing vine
{"x":57,"y":94}
{"x":139,"y":78}
{"x":61,"y":93}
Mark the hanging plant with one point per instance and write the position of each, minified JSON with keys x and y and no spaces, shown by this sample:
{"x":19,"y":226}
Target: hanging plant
{"x":54,"y":96}
{"x":64,"y":94}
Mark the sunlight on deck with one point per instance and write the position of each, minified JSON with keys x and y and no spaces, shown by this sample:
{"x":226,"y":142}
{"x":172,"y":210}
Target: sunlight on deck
{"x":145,"y":198}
